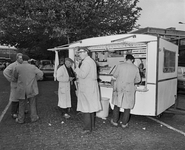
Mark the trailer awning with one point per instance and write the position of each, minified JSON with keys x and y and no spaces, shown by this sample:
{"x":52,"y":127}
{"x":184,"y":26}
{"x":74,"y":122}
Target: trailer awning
{"x":109,"y":43}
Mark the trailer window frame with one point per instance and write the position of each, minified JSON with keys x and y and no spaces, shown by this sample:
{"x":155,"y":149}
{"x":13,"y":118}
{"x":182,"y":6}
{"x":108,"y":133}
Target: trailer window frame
{"x":169,"y":61}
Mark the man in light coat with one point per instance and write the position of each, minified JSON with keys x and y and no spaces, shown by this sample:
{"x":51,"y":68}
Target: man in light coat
{"x":26,"y":76}
{"x":66,"y":78}
{"x":88,"y":90}
{"x":127,"y":75}
{"x":8,"y":73}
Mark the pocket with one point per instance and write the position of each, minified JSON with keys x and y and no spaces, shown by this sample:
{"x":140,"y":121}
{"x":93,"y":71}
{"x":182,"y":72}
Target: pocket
{"x":62,"y":90}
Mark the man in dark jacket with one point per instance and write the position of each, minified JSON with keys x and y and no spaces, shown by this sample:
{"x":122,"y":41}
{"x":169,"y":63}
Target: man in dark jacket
{"x":26,"y":76}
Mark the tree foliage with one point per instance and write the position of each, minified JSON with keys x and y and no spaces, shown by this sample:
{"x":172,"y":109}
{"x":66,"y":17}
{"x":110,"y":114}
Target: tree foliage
{"x":37,"y":25}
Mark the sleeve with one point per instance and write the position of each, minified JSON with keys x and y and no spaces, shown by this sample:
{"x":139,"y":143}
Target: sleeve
{"x":116,"y":72}
{"x":39,"y":74}
{"x":8,"y":72}
{"x":83,"y":71}
{"x":138,"y":77}
{"x":15,"y":75}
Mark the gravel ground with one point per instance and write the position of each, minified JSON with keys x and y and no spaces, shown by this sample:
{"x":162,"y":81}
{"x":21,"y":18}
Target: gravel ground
{"x":53,"y":132}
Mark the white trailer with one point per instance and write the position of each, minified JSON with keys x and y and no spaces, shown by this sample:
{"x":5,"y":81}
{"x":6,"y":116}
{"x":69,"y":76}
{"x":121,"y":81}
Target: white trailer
{"x":159,"y":58}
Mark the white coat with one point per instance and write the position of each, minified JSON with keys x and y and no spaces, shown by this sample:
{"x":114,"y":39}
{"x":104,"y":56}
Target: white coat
{"x":88,"y":89}
{"x":64,"y":97}
{"x":126,"y":74}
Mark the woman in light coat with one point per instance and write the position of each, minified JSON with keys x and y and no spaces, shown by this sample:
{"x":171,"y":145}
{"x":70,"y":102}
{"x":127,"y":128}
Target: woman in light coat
{"x":88,"y":90}
{"x":64,"y":96}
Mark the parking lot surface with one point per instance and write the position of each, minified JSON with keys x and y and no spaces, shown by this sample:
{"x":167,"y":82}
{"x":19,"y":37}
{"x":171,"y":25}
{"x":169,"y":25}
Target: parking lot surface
{"x":53,"y":132}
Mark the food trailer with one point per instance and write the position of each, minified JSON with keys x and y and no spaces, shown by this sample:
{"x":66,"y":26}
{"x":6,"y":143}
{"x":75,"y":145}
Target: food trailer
{"x":156,"y":58}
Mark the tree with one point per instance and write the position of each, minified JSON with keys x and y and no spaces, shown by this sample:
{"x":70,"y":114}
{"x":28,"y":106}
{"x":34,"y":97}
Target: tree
{"x":36,"y":25}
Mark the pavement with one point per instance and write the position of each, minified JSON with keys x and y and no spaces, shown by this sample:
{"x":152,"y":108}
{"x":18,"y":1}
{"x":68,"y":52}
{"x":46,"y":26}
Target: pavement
{"x":53,"y":132}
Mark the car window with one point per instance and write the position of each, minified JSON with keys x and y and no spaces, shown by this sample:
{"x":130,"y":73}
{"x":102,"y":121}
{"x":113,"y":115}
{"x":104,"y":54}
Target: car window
{"x":179,"y":71}
{"x":48,"y":67}
{"x":183,"y":71}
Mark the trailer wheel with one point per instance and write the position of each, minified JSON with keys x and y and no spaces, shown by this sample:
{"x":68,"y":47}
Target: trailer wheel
{"x":159,"y":116}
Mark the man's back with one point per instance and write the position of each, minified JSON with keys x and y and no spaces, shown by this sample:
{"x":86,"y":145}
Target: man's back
{"x":127,"y":73}
{"x":27,"y":76}
{"x":26,"y":73}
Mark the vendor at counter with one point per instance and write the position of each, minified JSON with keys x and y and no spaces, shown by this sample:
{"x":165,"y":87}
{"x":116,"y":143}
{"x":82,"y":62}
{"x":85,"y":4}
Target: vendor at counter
{"x":127,"y":75}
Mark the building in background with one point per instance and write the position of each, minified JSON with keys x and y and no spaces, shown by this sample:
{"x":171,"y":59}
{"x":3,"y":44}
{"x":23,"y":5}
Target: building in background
{"x":8,"y":52}
{"x":170,"y":34}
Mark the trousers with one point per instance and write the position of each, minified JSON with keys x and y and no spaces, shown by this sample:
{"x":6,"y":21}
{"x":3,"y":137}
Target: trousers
{"x":32,"y":106}
{"x":73,"y":98}
{"x":124,"y":117}
{"x":89,"y":121}
{"x":14,"y":107}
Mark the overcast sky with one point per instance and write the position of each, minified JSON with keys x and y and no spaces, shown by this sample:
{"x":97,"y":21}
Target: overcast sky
{"x":162,"y":13}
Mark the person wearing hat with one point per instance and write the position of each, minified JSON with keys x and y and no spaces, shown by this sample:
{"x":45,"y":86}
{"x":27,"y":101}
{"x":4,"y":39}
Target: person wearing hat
{"x":67,"y":89}
{"x":127,"y":75}
{"x":88,"y":90}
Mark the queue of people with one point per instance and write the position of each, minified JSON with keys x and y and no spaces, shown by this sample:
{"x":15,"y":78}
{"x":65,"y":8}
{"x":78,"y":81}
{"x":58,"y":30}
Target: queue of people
{"x":88,"y":94}
{"x":78,"y":89}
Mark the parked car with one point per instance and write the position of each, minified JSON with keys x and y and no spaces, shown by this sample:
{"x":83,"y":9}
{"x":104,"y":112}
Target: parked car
{"x":47,"y":67}
{"x":4,"y":62}
{"x":181,"y":78}
{"x":2,"y":66}
{"x":33,"y":62}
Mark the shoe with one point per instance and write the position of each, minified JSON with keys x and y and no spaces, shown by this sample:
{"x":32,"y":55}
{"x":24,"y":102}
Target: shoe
{"x":113,"y":123}
{"x":36,"y":119}
{"x":14,"y":116}
{"x":66,"y":116}
{"x":124,"y":126}
{"x":86,"y":132}
{"x":18,"y":121}
{"x":78,"y":113}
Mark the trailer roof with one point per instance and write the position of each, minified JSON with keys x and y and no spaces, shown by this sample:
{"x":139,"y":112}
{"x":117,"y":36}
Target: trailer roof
{"x":4,"y":47}
{"x":112,"y":42}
